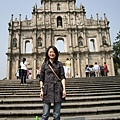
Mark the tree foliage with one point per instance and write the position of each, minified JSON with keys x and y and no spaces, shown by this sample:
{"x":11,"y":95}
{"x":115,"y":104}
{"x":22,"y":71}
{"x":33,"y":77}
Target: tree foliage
{"x":116,"y":54}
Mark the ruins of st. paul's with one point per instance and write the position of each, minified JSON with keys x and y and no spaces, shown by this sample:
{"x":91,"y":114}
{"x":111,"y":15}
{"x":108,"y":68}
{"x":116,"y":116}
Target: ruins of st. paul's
{"x":63,"y":24}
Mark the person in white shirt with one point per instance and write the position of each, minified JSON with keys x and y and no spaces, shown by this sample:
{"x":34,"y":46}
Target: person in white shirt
{"x":76,"y":76}
{"x":23,"y":65}
{"x":30,"y":76}
{"x":97,"y":69}
{"x":38,"y":73}
{"x":67,"y":68}
{"x":17,"y":74}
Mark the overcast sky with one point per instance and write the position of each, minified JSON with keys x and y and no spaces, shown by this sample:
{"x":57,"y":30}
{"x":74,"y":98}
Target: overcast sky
{"x":24,"y":7}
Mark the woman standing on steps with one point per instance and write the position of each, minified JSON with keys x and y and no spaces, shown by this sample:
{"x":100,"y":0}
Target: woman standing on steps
{"x":52,"y":86}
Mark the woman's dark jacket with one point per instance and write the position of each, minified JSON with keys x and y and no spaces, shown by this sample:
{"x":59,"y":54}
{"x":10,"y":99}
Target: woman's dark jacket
{"x":52,"y":90}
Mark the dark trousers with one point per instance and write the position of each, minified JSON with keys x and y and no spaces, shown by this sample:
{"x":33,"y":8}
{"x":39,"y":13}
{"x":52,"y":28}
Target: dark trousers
{"x":38,"y":76}
{"x":23,"y":76}
{"x":87,"y":74}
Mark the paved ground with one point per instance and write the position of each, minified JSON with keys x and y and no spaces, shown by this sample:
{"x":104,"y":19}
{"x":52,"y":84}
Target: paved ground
{"x":92,"y":117}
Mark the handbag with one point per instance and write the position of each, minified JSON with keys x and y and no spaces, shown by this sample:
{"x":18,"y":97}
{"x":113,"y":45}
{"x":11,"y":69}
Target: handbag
{"x":64,"y":99}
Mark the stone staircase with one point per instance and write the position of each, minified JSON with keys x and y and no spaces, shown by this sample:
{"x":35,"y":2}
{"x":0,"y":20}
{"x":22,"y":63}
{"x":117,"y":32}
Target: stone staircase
{"x":87,"y":99}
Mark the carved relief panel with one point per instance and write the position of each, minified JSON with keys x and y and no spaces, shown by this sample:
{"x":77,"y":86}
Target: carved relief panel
{"x":65,"y":21}
{"x":72,"y":19}
{"x":40,"y":19}
{"x":71,"y":6}
{"x":53,"y":20}
{"x":46,"y":6}
{"x":47,"y":20}
{"x":79,"y":20}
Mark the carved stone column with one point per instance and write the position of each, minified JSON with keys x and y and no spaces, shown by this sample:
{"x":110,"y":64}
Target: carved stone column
{"x":108,"y":37}
{"x":73,"y":38}
{"x":44,"y":40}
{"x":17,"y":62}
{"x":112,"y":66}
{"x":9,"y":42}
{"x":69,"y":19}
{"x":74,"y":19}
{"x":50,"y":37}
{"x":67,"y":5}
{"x":99,"y":37}
{"x":8,"y":68}
{"x":43,"y":18}
{"x":87,"y":59}
{"x":34,"y":67}
{"x":79,"y":65}
{"x":73,"y":5}
{"x":76,"y":38}
{"x":72,"y":66}
{"x":18,"y":42}
{"x":84,"y":37}
{"x":104,"y":59}
{"x":34,"y":41}
{"x":70,"y":39}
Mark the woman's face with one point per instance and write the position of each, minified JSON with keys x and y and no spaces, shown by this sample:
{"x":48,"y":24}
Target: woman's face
{"x":51,"y":54}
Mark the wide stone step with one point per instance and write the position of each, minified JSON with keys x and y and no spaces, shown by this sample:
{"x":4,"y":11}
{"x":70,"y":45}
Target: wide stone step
{"x":32,"y":91}
{"x":95,"y":87}
{"x":77,"y":90}
{"x":68,"y":82}
{"x":68,"y":99}
{"x":23,"y":95}
{"x":114,"y":116}
{"x":32,"y":106}
{"x":64,"y":112}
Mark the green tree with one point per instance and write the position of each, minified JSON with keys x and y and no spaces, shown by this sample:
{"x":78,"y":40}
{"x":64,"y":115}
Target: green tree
{"x":116,"y":54}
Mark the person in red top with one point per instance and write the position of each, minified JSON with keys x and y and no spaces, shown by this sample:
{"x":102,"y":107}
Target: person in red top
{"x":105,"y":69}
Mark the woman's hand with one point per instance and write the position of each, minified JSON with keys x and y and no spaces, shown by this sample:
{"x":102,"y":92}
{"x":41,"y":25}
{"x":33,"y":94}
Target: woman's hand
{"x":64,"y":94}
{"x":41,"y":94}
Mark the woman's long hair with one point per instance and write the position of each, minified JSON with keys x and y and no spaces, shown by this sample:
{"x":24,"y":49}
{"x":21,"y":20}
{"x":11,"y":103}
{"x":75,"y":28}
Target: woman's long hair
{"x":56,"y":53}
{"x":24,"y":59}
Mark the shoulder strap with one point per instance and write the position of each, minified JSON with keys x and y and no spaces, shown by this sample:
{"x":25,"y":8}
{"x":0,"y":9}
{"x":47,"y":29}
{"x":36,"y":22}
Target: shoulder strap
{"x":54,"y":72}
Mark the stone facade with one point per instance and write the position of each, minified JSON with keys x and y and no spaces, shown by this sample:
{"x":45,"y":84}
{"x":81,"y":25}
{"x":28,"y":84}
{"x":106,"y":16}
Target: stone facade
{"x":63,"y":24}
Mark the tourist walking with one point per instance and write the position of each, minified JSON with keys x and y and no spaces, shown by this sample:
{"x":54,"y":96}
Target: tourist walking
{"x":67,"y":68}
{"x":101,"y":70}
{"x":87,"y":71}
{"x":91,"y":71}
{"x":30,"y":76}
{"x":38,"y":73}
{"x":17,"y":74}
{"x":23,"y":65}
{"x":105,"y":69}
{"x":97,"y":69}
{"x":52,"y":84}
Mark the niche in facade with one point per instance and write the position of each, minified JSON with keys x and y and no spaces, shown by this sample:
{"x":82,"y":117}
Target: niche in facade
{"x":80,"y":41}
{"x":39,"y":42}
{"x":59,"y":21}
{"x":58,"y":6}
{"x":104,"y":41}
{"x":14,"y":42}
